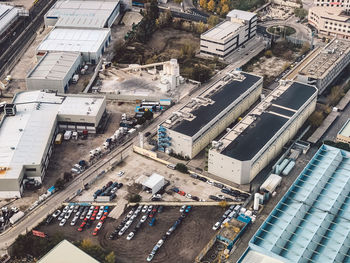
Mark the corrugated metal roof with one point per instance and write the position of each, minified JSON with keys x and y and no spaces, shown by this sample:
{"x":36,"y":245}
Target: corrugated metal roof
{"x":54,"y":65}
{"x":240,"y":14}
{"x":8,"y":14}
{"x":80,"y":40}
{"x":311,"y":223}
{"x":66,"y":252}
{"x":345,"y":130}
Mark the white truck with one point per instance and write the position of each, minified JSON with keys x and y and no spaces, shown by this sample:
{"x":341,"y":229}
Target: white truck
{"x":67,"y":135}
{"x":16,"y":217}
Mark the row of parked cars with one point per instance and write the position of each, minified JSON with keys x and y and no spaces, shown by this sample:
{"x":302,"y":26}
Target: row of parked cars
{"x":232,"y":212}
{"x":187,"y":195}
{"x":109,"y":189}
{"x":184,"y":210}
{"x":85,"y":213}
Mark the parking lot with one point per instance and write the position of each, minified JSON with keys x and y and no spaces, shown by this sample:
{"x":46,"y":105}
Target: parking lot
{"x":182,"y":245}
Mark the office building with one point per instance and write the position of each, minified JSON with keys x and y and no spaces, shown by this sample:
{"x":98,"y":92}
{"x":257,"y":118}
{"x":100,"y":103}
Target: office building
{"x":344,"y":133}
{"x":221,"y":40}
{"x":194,"y":126}
{"x":326,"y":65}
{"x":260,"y":136}
{"x":311,"y":223}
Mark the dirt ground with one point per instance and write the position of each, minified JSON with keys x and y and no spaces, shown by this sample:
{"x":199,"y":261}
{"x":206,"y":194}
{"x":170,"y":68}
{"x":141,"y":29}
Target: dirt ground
{"x":273,"y":64}
{"x":182,"y":246}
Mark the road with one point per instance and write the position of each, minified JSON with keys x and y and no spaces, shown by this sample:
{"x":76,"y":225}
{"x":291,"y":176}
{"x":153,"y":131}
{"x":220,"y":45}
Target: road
{"x":39,"y":213}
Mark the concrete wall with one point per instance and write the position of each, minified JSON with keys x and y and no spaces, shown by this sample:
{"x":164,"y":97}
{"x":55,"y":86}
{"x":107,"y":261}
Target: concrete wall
{"x":180,"y":143}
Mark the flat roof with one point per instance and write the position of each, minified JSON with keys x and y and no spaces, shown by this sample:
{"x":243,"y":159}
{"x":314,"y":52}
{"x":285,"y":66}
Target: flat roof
{"x":24,"y":137}
{"x":222,"y":31}
{"x":251,"y":256}
{"x":79,"y":40}
{"x":240,"y":14}
{"x":256,"y":129}
{"x":85,"y":14}
{"x":153,"y":180}
{"x":345,"y":130}
{"x":66,"y":252}
{"x":311,"y":223}
{"x":326,"y":59}
{"x":54,"y":65}
{"x":8,"y":14}
{"x":334,"y":13}
{"x":219,"y":97}
{"x":78,"y":106}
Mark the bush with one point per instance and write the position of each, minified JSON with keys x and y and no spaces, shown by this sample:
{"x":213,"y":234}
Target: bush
{"x":181,"y":168}
{"x":268,"y":53}
{"x":59,"y":184}
{"x":135,"y":198}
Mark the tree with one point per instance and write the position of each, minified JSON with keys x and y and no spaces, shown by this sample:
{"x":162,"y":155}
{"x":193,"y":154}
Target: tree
{"x":148,"y":115}
{"x":316,"y":119}
{"x":95,"y":251}
{"x":187,"y":51}
{"x":203,"y":4}
{"x":110,"y":258}
{"x":268,"y":53}
{"x":213,"y":20}
{"x":59,"y":184}
{"x":211,"y":5}
{"x":300,"y":12}
{"x":224,"y":10}
{"x":335,"y":95}
{"x":305,"y":48}
{"x":223,"y":2}
{"x":135,"y":198}
{"x":67,"y":176}
{"x":200,"y":27}
{"x":223,"y":204}
{"x":181,"y":168}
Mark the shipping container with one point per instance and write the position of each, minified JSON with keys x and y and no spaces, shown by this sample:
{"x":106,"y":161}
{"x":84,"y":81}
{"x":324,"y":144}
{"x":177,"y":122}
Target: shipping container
{"x":16,"y":217}
{"x":58,"y":139}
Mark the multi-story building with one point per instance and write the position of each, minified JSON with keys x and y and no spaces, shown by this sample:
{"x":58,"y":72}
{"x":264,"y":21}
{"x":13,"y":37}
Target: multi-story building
{"x":311,"y":221}
{"x":344,"y":133}
{"x":195,"y":125}
{"x":260,"y":136}
{"x":345,"y":4}
{"x":330,"y":21}
{"x":326,"y":65}
{"x":29,"y":127}
{"x":224,"y":38}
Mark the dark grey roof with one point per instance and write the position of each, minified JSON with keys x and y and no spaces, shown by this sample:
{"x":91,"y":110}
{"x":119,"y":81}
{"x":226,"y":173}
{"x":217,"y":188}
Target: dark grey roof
{"x":222,"y":99}
{"x":256,"y":136}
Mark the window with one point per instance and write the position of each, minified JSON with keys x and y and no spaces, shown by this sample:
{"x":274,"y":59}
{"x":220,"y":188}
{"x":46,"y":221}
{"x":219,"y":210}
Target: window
{"x":30,"y":169}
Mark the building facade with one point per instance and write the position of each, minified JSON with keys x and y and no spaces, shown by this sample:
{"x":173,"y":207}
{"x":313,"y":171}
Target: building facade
{"x":27,"y":136}
{"x":345,"y":4}
{"x":224,"y":38}
{"x":260,"y":136}
{"x":192,"y":128}
{"x":330,"y":21}
{"x":311,"y":221}
{"x":325,"y":66}
{"x":344,"y":133}
{"x":54,"y":71}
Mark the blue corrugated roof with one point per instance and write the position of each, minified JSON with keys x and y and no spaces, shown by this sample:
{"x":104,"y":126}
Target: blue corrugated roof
{"x":311,"y":223}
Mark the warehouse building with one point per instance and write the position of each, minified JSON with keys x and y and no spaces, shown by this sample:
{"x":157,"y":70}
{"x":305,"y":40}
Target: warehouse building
{"x":28,"y":130}
{"x":344,"y":133}
{"x":194,"y":126}
{"x":91,"y":43}
{"x":324,"y":67}
{"x":54,"y":71}
{"x":330,"y":21}
{"x":83,"y":14}
{"x":8,"y":15}
{"x":311,"y":223}
{"x":260,"y":136}
{"x":238,"y":28}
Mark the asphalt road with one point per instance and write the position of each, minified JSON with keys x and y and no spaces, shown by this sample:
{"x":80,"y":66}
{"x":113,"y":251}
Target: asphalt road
{"x":40,"y":212}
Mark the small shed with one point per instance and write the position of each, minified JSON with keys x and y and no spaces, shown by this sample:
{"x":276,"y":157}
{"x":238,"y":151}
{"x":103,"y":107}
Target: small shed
{"x":155,"y":182}
{"x":271,"y":183}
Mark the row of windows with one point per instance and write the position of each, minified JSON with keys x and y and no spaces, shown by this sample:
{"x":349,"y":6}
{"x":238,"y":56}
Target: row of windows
{"x":339,"y":29}
{"x":335,"y":24}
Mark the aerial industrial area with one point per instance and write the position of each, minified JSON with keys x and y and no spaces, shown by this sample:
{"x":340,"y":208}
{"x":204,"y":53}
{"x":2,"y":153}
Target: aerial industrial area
{"x":174,"y":131}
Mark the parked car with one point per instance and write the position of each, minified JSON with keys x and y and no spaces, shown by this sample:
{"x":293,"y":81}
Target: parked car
{"x":82,"y":226}
{"x":63,"y":222}
{"x":160,"y":243}
{"x":150,"y":257}
{"x":122,"y":231}
{"x":160,"y":209}
{"x":188,"y":209}
{"x":152,"y":221}
{"x":189,"y":196}
{"x":182,"y":209}
{"x":217,"y":225}
{"x":74,"y":221}
{"x":121,"y":173}
{"x":49,"y":220}
{"x":150,"y":209}
{"x":202,"y":178}
{"x":56,"y":213}
{"x":193,"y":175}
{"x":171,"y":166}
{"x":130,"y":236}
{"x":143,"y":219}
{"x":175,"y":189}
{"x":144,"y":209}
{"x":182,"y":193}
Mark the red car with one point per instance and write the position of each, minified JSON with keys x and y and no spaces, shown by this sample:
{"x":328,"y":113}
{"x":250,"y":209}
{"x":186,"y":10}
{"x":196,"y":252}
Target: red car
{"x":103,"y":218}
{"x":181,"y":193}
{"x":93,"y":217}
{"x":82,"y":226}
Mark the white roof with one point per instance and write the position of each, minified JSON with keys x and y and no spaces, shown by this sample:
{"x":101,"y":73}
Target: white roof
{"x":271,"y":183}
{"x":153,"y":180}
{"x":87,"y":14}
{"x":78,"y":106}
{"x":345,"y":130}
{"x":244,"y":15}
{"x":80,"y":40}
{"x":23,"y":137}
{"x":222,"y":31}
{"x":7,"y":14}
{"x":66,"y":252}
{"x":54,"y":65}
{"x":256,"y":257}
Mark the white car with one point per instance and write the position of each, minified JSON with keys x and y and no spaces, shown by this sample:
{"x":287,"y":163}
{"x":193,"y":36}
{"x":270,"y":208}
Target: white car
{"x":63,"y":221}
{"x":56,"y":214}
{"x":216,"y":226}
{"x":144,"y":218}
{"x":210,"y":182}
{"x":130,"y":236}
{"x":65,"y":210}
{"x":160,"y":243}
{"x":182,"y":209}
{"x":128,"y":224}
{"x":99,"y":225}
{"x":139,"y":208}
{"x":71,"y":208}
{"x":74,"y":221}
{"x":99,"y":215}
{"x":130,"y":214}
{"x":101,"y":208}
{"x":150,"y":257}
{"x":189,"y":196}
{"x":122,"y":231}
{"x":67,"y":215}
{"x":144,"y":209}
{"x":149,"y":210}
{"x":121,"y":173}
